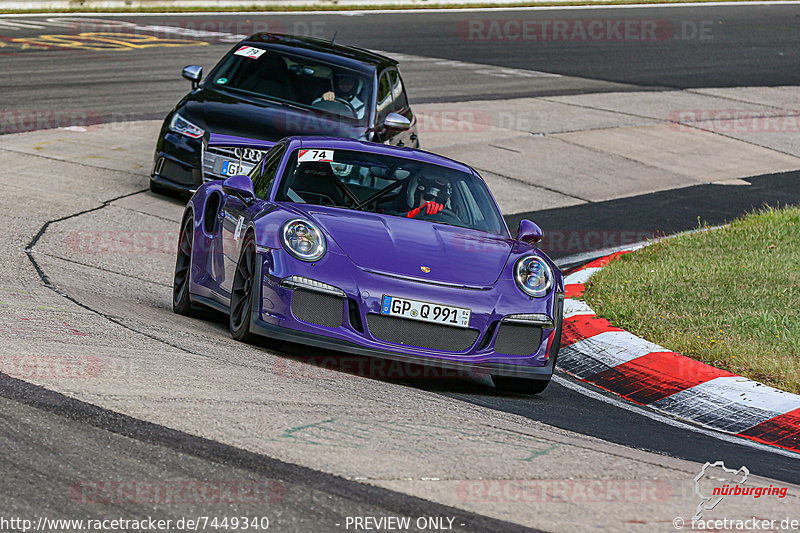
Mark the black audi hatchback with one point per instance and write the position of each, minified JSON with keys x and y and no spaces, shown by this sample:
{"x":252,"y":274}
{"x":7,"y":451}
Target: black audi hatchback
{"x":270,"y":86}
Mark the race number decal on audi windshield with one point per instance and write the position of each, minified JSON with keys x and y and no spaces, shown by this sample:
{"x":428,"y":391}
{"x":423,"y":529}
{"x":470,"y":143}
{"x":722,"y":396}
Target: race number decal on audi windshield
{"x":312,"y":155}
{"x":249,"y":51}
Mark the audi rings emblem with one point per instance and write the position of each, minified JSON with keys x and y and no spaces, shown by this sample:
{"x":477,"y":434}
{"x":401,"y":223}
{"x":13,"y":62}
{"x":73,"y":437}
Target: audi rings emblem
{"x":248,"y":154}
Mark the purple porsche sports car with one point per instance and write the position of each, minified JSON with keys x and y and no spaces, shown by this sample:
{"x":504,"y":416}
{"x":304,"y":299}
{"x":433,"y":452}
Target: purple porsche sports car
{"x":372,"y":250}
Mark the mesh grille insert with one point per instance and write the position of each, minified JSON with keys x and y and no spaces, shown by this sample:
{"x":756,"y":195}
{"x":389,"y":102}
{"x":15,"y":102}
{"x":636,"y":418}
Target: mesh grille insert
{"x":318,"y":308}
{"x":518,"y":339}
{"x":421,"y":334}
{"x":176,"y":172}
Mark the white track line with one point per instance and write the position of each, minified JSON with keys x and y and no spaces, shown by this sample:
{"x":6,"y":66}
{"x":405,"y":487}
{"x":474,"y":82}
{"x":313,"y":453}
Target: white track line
{"x":26,"y":25}
{"x":411,"y":10}
{"x":585,"y":257}
{"x":670,"y":421}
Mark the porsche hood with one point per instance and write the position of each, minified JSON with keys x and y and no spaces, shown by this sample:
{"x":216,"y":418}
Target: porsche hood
{"x":415,"y":248}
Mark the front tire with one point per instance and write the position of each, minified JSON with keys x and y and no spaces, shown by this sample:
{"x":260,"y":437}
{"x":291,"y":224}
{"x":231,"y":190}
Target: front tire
{"x":520,"y":385}
{"x":181,"y":304}
{"x":242,"y":293}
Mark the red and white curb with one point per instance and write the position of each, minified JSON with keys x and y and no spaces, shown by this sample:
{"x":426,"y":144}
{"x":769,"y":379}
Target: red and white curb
{"x":640,"y":371}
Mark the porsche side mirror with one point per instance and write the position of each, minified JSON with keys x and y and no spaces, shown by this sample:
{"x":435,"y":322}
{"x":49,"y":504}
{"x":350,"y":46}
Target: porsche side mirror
{"x":529,"y":232}
{"x":241,"y":187}
{"x":396,"y":121}
{"x":193,"y":73}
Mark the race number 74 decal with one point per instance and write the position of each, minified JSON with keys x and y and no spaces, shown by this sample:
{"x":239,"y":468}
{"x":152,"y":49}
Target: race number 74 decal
{"x":307,"y":156}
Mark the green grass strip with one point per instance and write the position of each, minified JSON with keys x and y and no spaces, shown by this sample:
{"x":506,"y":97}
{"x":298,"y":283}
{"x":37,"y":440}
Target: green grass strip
{"x":729,"y":297}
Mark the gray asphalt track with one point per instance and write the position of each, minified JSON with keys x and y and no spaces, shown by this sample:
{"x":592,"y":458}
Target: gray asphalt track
{"x":110,"y":466}
{"x":744,"y":45}
{"x":687,"y":47}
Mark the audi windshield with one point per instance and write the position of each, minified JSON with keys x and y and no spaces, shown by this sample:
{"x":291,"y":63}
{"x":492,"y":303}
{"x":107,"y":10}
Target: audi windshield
{"x":321,"y":87}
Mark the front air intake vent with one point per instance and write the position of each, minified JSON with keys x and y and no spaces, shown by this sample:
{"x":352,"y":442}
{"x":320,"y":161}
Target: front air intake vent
{"x":517,"y":339}
{"x":318,"y":308}
{"x":421,"y":334}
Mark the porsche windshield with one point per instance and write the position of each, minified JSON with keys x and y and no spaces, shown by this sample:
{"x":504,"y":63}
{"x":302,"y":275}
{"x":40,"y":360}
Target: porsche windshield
{"x":391,"y":186}
{"x":321,"y":87}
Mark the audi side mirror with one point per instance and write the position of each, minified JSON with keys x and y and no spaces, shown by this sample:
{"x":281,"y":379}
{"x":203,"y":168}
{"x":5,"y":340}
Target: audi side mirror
{"x":396,"y":121}
{"x":193,"y":73}
{"x":529,"y":232}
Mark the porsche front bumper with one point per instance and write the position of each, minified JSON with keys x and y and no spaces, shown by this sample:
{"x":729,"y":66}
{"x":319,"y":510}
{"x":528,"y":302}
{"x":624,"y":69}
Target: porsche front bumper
{"x":350,"y":320}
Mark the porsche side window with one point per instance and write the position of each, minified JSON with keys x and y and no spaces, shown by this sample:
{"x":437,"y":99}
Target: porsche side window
{"x":255,"y":172}
{"x":258,"y":169}
{"x":263,"y":182}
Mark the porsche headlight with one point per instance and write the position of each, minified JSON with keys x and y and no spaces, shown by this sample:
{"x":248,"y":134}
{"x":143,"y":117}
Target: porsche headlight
{"x":303,"y":240}
{"x":178,"y":124}
{"x":533,"y":276}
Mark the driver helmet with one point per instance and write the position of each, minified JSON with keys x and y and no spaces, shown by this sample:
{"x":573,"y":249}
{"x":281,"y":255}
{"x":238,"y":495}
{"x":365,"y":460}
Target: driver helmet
{"x":344,"y":85}
{"x":433,"y":189}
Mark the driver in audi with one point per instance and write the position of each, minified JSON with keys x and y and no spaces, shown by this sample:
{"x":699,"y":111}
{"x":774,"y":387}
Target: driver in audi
{"x":345,"y":88}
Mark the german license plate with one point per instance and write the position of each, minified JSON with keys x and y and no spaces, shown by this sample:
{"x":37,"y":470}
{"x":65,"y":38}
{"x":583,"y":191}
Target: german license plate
{"x":425,"y":311}
{"x":230,"y":168}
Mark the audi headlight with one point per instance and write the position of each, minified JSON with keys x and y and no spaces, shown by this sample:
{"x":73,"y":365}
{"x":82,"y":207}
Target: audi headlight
{"x":178,"y":124}
{"x":303,"y":240}
{"x":533,"y":276}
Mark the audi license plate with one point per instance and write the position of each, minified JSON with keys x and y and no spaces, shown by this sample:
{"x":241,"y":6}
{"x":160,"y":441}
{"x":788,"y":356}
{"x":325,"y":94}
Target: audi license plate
{"x":230,"y":168}
{"x":425,"y":311}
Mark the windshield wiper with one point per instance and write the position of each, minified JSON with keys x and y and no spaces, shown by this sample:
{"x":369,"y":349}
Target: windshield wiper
{"x":262,"y":96}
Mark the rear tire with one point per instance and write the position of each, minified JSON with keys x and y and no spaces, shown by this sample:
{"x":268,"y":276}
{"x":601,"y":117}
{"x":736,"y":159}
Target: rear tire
{"x":520,"y":385}
{"x":242,"y":293}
